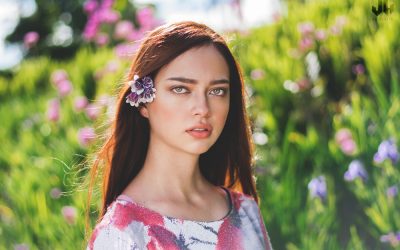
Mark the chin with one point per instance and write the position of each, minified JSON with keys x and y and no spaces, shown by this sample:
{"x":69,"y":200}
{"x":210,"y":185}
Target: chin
{"x":198,"y":149}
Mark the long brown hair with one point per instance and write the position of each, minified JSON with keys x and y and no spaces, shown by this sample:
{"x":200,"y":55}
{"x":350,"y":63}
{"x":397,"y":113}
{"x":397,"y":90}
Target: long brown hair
{"x":227,"y":163}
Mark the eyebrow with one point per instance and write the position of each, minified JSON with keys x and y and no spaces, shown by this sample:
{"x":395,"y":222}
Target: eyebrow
{"x":193,"y":81}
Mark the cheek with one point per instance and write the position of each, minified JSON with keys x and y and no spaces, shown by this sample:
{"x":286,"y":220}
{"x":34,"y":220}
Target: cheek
{"x":163,"y":112}
{"x":220,"y":111}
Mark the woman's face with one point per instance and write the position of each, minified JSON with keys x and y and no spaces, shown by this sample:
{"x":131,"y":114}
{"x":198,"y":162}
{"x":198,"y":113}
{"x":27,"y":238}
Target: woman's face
{"x":192,"y":101}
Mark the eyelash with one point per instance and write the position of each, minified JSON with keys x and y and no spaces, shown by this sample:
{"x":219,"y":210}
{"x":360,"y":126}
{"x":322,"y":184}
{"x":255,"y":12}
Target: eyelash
{"x":224,"y":90}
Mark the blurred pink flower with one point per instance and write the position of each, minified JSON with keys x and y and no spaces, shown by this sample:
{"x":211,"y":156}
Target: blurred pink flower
{"x":58,"y":76}
{"x":341,"y":20}
{"x":30,"y":39}
{"x":53,"y":110}
{"x":93,"y":111}
{"x":276,"y":16}
{"x":336,"y":30}
{"x":305,"y":28}
{"x":146,"y":18}
{"x":257,"y":74}
{"x":306,"y":43}
{"x":108,"y":16}
{"x":348,"y":147}
{"x":103,"y":100}
{"x":55,"y":193}
{"x":106,"y":4}
{"x":123,"y":29}
{"x":64,"y":88}
{"x":90,"y":6}
{"x":86,"y":135}
{"x":342,"y":135}
{"x":303,"y":83}
{"x":101,"y":39}
{"x":358,"y":69}
{"x":345,"y":141}
{"x":320,"y":35}
{"x":92,"y":26}
{"x":112,"y":66}
{"x":80,"y":103}
{"x":69,"y":213}
{"x":135,"y":35}
{"x":125,"y":50}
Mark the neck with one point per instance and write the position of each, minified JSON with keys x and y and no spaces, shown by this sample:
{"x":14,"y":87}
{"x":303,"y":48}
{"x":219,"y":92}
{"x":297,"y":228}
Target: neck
{"x":171,"y":173}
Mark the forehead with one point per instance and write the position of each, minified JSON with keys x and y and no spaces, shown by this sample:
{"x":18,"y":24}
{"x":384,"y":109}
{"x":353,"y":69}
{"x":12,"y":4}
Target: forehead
{"x":204,"y":62}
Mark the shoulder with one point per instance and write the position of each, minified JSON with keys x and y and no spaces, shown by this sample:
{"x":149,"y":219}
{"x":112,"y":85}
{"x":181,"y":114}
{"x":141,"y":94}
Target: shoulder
{"x":241,"y":200}
{"x":125,"y":225}
{"x":110,"y":237}
{"x":112,"y":231}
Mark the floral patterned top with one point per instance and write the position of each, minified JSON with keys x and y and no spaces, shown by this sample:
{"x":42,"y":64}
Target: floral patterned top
{"x":128,"y":225}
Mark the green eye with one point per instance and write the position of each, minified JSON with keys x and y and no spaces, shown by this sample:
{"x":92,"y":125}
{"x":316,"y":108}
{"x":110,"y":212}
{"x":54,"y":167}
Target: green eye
{"x":218,"y":92}
{"x":179,"y":90}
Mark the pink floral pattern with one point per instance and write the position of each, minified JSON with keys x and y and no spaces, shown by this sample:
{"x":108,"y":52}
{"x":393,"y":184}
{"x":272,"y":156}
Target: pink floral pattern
{"x":128,"y":225}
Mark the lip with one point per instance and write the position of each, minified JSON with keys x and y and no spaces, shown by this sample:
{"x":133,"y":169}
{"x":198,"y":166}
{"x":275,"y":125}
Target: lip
{"x":200,"y":134}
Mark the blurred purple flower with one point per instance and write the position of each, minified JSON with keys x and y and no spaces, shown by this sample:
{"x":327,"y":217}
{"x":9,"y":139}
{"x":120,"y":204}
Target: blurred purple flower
{"x":80,"y":103}
{"x":53,"y":110}
{"x":305,"y":28}
{"x":392,"y":238}
{"x":387,"y":150}
{"x":93,"y":111}
{"x":21,"y":246}
{"x":90,"y":6}
{"x":30,"y":39}
{"x":392,"y":191}
{"x":317,"y":187}
{"x":101,"y":39}
{"x":358,"y":69}
{"x":64,"y":88}
{"x":69,"y":213}
{"x":320,"y":35}
{"x":86,"y":135}
{"x":257,"y":74}
{"x":356,"y":170}
{"x":58,"y":76}
{"x":123,"y":29}
{"x":55,"y":193}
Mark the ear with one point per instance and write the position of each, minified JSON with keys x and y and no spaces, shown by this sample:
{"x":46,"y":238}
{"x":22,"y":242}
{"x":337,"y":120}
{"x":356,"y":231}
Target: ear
{"x":143,"y":111}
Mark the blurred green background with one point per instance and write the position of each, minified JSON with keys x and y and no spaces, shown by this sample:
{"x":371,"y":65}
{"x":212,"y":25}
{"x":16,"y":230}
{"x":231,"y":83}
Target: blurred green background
{"x":323,"y":95}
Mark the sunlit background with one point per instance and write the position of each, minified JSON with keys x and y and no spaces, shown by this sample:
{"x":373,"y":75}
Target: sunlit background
{"x":323,"y":94}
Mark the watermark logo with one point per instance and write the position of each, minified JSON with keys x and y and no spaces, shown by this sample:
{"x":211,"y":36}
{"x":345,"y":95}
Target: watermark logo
{"x":382,"y":7}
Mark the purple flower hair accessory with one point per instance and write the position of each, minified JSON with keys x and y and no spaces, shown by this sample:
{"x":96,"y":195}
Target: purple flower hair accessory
{"x":142,"y":91}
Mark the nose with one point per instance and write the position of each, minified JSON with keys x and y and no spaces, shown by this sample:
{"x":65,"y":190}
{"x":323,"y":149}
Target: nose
{"x":200,"y":106}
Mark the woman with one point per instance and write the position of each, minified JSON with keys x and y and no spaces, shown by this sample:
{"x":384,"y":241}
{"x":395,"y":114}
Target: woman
{"x":178,"y":162}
